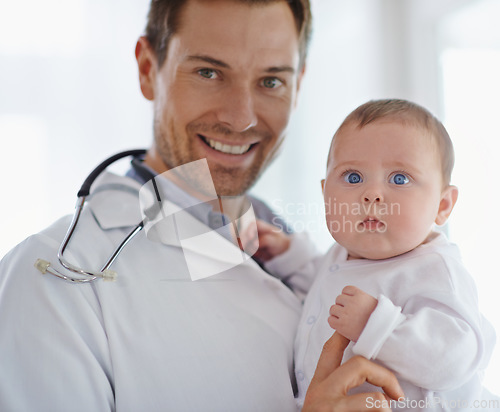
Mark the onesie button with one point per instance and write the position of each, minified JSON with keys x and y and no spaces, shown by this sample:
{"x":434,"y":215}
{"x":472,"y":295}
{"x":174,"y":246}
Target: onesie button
{"x":311,"y":320}
{"x":300,"y":375}
{"x":333,"y":268}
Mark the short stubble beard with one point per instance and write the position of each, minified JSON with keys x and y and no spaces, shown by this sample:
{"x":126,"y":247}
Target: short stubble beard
{"x":228,"y":181}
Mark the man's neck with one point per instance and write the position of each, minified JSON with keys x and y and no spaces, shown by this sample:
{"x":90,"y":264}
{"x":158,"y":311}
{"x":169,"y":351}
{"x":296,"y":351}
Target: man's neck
{"x":231,"y":206}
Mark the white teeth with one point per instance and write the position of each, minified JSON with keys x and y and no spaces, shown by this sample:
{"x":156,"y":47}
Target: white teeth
{"x":225,"y":148}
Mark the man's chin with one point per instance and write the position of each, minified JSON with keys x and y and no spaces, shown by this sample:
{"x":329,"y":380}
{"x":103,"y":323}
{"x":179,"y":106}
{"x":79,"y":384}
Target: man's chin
{"x":233,"y":182}
{"x":232,"y":186}
{"x":225,"y":190}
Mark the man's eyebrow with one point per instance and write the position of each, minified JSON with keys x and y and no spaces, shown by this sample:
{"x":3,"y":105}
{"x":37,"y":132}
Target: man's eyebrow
{"x":208,"y":59}
{"x":280,"y":69}
{"x":219,"y":63}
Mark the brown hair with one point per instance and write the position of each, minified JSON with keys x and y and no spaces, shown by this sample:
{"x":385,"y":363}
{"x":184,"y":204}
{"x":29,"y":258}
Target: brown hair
{"x":407,"y":113}
{"x":163,"y":23}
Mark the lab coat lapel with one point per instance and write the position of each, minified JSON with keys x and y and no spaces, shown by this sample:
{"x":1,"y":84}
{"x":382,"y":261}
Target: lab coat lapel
{"x":206,"y":251}
{"x":114,"y":202}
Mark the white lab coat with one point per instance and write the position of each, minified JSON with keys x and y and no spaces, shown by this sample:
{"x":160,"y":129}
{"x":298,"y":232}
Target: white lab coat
{"x":154,"y":340}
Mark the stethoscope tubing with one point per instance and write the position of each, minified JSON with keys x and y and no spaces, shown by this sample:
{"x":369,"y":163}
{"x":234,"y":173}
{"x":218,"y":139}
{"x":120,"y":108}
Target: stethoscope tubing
{"x":85,"y":188}
{"x":87,"y":275}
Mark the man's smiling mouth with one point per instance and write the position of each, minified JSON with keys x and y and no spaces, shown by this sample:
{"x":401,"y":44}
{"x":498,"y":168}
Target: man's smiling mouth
{"x":226,"y":148}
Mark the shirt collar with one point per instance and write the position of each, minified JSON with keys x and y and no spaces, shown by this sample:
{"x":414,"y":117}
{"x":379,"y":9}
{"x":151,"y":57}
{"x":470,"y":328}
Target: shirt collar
{"x":201,"y":211}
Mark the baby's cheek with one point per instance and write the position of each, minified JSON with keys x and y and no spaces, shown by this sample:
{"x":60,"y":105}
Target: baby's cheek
{"x":407,"y":233}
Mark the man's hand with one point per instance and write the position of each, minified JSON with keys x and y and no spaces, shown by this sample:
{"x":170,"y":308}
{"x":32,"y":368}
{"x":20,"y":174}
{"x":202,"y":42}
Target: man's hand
{"x":351,"y":311}
{"x":271,"y":240}
{"x":331,"y":382}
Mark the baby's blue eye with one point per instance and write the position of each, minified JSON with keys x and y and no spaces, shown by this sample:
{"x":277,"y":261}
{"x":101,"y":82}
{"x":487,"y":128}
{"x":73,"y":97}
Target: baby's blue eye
{"x":353,"y":178}
{"x":399,"y":179}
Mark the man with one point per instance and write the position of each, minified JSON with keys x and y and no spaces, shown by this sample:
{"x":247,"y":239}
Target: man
{"x":223,"y":76}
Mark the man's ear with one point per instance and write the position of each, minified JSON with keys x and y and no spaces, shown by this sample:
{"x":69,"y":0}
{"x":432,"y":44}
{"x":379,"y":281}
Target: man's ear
{"x":448,"y":199}
{"x":147,"y":64}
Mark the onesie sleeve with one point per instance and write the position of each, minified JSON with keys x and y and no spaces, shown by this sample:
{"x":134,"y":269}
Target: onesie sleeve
{"x":297,"y":267}
{"x":435,"y":340}
{"x":385,"y":318}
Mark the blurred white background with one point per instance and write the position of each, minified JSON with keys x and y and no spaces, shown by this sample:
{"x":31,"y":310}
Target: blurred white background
{"x":69,"y":97}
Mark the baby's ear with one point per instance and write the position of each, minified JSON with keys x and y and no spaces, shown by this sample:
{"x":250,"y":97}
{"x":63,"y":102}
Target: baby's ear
{"x":448,"y":199}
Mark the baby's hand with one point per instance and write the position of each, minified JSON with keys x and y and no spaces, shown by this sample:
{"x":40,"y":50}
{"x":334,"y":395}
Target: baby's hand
{"x":272,"y":241}
{"x":351,"y":311}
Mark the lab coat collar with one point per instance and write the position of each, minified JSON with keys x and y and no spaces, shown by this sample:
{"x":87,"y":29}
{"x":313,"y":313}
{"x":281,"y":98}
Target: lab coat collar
{"x":207,"y":252}
{"x":114,"y":203}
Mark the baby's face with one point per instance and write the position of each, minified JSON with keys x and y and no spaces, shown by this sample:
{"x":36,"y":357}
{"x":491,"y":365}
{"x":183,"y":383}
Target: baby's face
{"x":383,"y":189}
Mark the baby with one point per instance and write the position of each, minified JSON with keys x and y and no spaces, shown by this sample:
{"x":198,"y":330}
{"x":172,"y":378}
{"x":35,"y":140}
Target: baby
{"x":400,"y":291}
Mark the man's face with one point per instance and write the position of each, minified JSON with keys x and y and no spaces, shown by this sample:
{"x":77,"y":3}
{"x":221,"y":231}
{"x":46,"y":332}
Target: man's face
{"x":226,"y":90}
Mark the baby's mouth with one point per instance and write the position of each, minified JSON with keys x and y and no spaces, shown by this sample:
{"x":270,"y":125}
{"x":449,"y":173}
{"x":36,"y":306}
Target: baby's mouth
{"x":372,"y":223}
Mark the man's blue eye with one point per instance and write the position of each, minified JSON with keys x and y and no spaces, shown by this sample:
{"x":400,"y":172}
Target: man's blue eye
{"x":353,"y":178}
{"x":399,"y":179}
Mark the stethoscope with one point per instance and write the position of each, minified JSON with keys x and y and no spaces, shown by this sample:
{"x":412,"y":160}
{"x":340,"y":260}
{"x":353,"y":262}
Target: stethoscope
{"x":105,"y":273}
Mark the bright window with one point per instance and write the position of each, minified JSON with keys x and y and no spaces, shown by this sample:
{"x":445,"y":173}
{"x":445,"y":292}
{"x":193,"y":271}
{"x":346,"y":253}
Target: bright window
{"x":470,"y":62}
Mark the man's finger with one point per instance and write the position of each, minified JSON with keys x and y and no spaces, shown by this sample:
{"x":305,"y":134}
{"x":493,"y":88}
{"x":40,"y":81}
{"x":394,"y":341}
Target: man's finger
{"x":373,"y":402}
{"x":331,"y":357}
{"x":264,"y":227}
{"x":358,"y":370}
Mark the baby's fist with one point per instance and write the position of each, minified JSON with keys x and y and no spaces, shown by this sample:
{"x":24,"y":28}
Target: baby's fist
{"x":351,"y":312}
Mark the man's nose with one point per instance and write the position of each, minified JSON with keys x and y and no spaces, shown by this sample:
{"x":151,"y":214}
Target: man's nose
{"x":237,"y":109}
